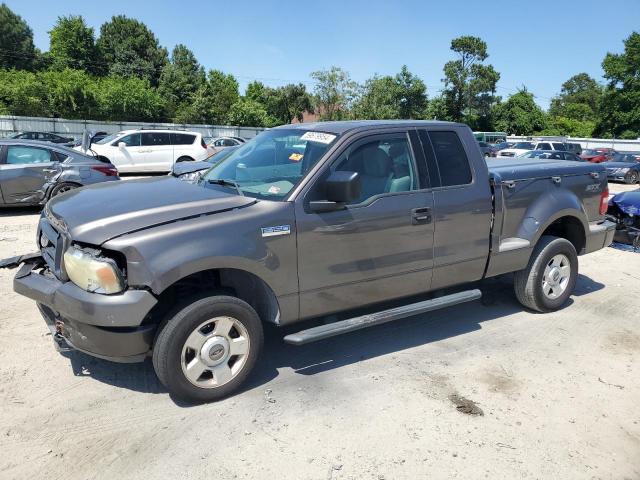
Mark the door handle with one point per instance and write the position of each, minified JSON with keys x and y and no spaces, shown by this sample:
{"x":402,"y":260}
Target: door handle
{"x":421,"y":216}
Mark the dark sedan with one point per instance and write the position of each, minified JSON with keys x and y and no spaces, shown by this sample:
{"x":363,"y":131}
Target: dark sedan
{"x":43,"y":137}
{"x":191,"y":171}
{"x":487,"y":149}
{"x":32,"y":172}
{"x":624,"y":167}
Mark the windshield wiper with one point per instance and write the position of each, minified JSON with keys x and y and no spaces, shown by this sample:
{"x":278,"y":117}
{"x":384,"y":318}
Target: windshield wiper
{"x":227,"y":183}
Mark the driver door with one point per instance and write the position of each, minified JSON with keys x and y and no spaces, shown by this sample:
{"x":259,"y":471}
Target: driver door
{"x":376,"y":249}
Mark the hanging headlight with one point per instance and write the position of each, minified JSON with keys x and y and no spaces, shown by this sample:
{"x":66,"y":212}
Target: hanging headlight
{"x":92,"y":273}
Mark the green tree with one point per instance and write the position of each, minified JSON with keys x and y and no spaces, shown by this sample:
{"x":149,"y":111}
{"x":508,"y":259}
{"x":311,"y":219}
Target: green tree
{"x":561,"y":126}
{"x":620,"y":109}
{"x":256,"y":91}
{"x":180,"y":80}
{"x":213,"y":100}
{"x":470,"y":85}
{"x":69,"y":94}
{"x":378,"y":99}
{"x":520,"y":115}
{"x":22,"y":93}
{"x":16,"y":41}
{"x":579,"y":99}
{"x":288,"y":102}
{"x":437,"y":109}
{"x":128,"y":99}
{"x":72,"y":45}
{"x":335,"y":92}
{"x":129,"y":48}
{"x":249,"y":113}
{"x":403,"y":96}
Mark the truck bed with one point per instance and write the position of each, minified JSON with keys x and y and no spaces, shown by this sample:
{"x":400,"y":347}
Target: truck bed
{"x":527,"y":168}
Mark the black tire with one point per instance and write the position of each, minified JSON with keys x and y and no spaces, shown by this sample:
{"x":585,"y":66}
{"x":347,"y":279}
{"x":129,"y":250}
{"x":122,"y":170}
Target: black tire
{"x":168,"y":354}
{"x":184,"y":159}
{"x":632,"y":178}
{"x":62,"y":187}
{"x":528,"y":283}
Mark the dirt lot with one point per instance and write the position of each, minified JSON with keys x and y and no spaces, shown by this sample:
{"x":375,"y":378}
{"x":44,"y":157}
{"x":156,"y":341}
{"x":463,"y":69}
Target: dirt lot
{"x":483,"y":390}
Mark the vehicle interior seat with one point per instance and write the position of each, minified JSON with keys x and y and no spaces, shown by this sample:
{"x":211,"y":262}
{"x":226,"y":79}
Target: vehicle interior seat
{"x":401,"y":181}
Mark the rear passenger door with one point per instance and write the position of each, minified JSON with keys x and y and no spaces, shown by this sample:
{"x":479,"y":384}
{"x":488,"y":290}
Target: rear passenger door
{"x":381,"y":246}
{"x":183,"y":146}
{"x":461,"y":204}
{"x":25,"y":173}
{"x":158,"y":156}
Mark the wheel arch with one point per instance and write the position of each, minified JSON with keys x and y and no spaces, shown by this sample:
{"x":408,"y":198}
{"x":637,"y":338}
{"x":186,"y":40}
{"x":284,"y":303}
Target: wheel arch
{"x":234,"y":282}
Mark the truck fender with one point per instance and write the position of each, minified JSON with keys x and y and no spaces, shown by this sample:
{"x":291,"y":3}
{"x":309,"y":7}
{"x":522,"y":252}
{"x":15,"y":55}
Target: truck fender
{"x":548,"y":208}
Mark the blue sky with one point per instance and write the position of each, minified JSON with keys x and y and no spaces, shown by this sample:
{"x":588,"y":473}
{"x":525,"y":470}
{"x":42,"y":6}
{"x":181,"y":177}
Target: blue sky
{"x":538,"y":44}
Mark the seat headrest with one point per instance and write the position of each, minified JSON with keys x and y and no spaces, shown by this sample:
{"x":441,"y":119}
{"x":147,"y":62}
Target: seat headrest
{"x":376,"y":162}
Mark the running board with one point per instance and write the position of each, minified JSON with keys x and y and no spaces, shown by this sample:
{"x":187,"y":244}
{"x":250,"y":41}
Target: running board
{"x":351,"y":324}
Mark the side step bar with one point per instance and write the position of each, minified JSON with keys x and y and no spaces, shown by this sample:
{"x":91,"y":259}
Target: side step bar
{"x":351,"y":324}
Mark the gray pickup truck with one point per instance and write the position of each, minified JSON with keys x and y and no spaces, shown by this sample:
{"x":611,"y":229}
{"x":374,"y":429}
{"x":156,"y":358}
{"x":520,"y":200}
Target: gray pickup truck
{"x":305,"y":221}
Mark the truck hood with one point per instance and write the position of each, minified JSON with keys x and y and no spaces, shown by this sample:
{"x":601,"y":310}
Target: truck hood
{"x":100,"y":212}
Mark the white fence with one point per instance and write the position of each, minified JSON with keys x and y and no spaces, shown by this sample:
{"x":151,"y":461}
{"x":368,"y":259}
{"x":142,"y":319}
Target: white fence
{"x":616,"y":144}
{"x":74,"y":128}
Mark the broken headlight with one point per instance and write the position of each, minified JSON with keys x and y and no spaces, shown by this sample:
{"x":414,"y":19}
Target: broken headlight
{"x":93,"y":273}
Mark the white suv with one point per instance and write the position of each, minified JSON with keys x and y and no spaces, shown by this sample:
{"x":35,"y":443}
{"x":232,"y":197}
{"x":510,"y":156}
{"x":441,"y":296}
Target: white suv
{"x":149,"y":150}
{"x":523,"y":147}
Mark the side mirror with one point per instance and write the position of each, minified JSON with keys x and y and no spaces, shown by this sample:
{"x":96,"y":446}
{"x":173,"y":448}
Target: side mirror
{"x":121,"y":145}
{"x":340,"y":188}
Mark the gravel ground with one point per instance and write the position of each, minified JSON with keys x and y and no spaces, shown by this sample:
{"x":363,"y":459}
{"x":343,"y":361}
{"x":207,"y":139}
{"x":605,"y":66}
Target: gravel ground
{"x":482,"y":390}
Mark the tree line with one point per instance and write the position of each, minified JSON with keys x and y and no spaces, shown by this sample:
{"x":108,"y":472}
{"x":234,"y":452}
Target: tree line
{"x":124,"y":74}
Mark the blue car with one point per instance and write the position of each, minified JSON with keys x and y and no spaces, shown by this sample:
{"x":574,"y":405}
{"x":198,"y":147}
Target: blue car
{"x":624,"y":210}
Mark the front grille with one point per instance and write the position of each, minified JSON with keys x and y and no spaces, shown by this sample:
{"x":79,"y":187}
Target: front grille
{"x":52,"y":245}
{"x":507,"y":154}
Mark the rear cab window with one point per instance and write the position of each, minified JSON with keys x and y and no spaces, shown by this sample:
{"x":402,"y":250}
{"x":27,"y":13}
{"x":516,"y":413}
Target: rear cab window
{"x":447,"y":160}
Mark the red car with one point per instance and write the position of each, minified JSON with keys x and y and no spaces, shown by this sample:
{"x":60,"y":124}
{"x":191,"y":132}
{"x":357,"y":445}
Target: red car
{"x":598,"y":155}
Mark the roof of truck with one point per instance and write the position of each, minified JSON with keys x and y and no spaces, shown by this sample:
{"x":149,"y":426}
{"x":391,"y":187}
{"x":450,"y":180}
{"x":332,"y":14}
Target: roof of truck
{"x":343,"y":126}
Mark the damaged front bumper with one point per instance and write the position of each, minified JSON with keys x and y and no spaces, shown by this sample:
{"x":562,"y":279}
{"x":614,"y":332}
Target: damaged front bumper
{"x":104,"y":326}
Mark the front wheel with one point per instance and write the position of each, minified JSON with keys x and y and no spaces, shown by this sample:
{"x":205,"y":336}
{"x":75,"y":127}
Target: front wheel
{"x":207,"y":349}
{"x":631,"y":178}
{"x":547,"y":282}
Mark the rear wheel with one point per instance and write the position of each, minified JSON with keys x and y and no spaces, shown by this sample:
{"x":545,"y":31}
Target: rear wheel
{"x":184,"y":159}
{"x":62,"y":188}
{"x":550,"y":277}
{"x":207,"y":349}
{"x":632,"y":178}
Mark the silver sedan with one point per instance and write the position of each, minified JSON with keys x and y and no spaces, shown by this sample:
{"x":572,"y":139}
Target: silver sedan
{"x":32,"y":172}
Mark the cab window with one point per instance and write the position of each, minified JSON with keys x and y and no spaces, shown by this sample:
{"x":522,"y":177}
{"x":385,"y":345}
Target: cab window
{"x":452,"y":161}
{"x":385,"y":165}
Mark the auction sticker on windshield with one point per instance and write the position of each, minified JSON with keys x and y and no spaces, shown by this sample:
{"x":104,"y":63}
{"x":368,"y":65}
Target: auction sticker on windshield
{"x":319,"y":137}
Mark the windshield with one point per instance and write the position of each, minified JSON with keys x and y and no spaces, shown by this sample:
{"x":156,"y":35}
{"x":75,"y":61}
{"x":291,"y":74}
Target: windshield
{"x":271,"y":164}
{"x":220,"y":155}
{"x":523,"y":145}
{"x":591,"y":152}
{"x":108,"y":138}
